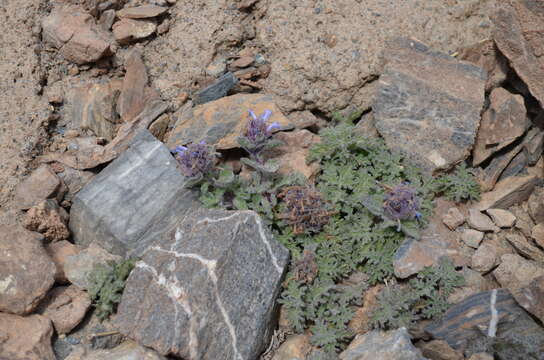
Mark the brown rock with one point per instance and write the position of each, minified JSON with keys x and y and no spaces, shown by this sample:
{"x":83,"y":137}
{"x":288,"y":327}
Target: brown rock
{"x":481,"y":222}
{"x":453,"y":218}
{"x":130,"y":30}
{"x":534,"y":145}
{"x":106,"y":19}
{"x":537,"y":233}
{"x":517,"y":26}
{"x":128,"y":350}
{"x":515,"y":272}
{"x":481,"y":356}
{"x":74,"y":180}
{"x":504,"y":121}
{"x":294,"y":151}
{"x":531,"y":297}
{"x":141,"y":12}
{"x":26,"y":271}
{"x":416,"y":101}
{"x":517,"y":166}
{"x":59,"y":252}
{"x":65,"y":306}
{"x":49,"y":219}
{"x":485,"y":258}
{"x":42,"y":184}
{"x":132,"y":98}
{"x":439,"y":350}
{"x":508,"y":192}
{"x":497,"y":168}
{"x":360,"y":323}
{"x":220,"y":122}
{"x":243,"y":62}
{"x":472,"y":238}
{"x":502,"y":218}
{"x":295,"y":347}
{"x":524,"y":223}
{"x":524,"y":247}
{"x":75,"y":33}
{"x":160,"y":126}
{"x":25,"y":338}
{"x":536,"y":205}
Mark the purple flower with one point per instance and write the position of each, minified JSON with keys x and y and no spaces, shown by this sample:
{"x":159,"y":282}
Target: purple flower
{"x":401,"y":203}
{"x":195,"y":160}
{"x":257,"y":128}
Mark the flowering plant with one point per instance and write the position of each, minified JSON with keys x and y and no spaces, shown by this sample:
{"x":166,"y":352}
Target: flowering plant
{"x":258,"y":135}
{"x":195,"y":160}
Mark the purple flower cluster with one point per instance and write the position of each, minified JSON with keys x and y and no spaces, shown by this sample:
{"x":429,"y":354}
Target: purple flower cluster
{"x":401,"y":203}
{"x":258,"y":131}
{"x":195,"y":160}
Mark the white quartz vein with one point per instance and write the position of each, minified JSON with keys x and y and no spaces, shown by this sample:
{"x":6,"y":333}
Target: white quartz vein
{"x":492,"y":330}
{"x":267,"y":243}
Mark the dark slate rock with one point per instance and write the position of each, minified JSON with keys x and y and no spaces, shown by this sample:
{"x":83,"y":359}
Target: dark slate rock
{"x":217,"y":90}
{"x":139,"y":189}
{"x":428,"y":104}
{"x":206,"y":289}
{"x":472,"y":326}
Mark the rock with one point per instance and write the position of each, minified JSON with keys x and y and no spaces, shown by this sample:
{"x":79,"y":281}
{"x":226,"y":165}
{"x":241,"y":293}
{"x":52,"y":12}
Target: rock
{"x":243,"y":61}
{"x":25,"y":338}
{"x":537,"y":234}
{"x":78,"y":267}
{"x":496,"y":170}
{"x":420,"y":111}
{"x":141,"y":188}
{"x":504,"y":122}
{"x":481,"y":222}
{"x":26,"y":271}
{"x":59,"y":251}
{"x":130,"y":30}
{"x":220,"y":122}
{"x":531,"y":297}
{"x":295,"y":347}
{"x":508,"y":192}
{"x":216,"y":90}
{"x":65,"y":306}
{"x":485,"y":258}
{"x":141,"y":12}
{"x":518,"y":165}
{"x":391,"y":345}
{"x":486,"y":55}
{"x":515,"y":272}
{"x":360,"y":323}
{"x":191,"y":275}
{"x":436,"y":241}
{"x":160,"y":126}
{"x":74,"y":180}
{"x":49,"y":219}
{"x":488,"y":316}
{"x":75,"y":33}
{"x":106,"y":19}
{"x":534,"y":145}
{"x":439,"y":350}
{"x":128,"y":350}
{"x":524,"y":223}
{"x":536,"y":205}
{"x":524,"y":247}
{"x":514,"y":33}
{"x":472,"y":238}
{"x":217,"y":67}
{"x":42,"y":184}
{"x":502,"y":218}
{"x":453,"y":218}
{"x":481,"y":356}
{"x":132,"y":97}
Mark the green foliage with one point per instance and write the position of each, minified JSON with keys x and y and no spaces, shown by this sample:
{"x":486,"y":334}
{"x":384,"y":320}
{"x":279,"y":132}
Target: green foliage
{"x":106,"y":286}
{"x":424,"y":297}
{"x":459,"y":185}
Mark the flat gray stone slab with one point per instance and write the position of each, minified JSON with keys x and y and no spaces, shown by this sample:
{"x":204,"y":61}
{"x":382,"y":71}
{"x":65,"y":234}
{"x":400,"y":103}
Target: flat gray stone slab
{"x":428,"y":104}
{"x":140,"y":188}
{"x":206,"y":289}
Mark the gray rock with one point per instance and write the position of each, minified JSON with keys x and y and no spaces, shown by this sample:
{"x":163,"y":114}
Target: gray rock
{"x":217,"y":90}
{"x":428,"y":104}
{"x":128,"y":350}
{"x":142,"y":187}
{"x":390,"y":345}
{"x":78,"y":267}
{"x":206,"y":289}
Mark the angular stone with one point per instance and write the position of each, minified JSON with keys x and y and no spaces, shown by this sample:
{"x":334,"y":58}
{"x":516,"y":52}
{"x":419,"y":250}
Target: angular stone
{"x":132,"y":97}
{"x":453,"y":218}
{"x":106,"y":19}
{"x":42,"y":184}
{"x":49,"y":219}
{"x":472,"y":238}
{"x":537,"y":234}
{"x":75,"y":33}
{"x":243,"y":62}
{"x":534,"y":145}
{"x":185,"y":297}
{"x":128,"y":350}
{"x":130,"y":30}
{"x":216,"y":90}
{"x":25,"y":338}
{"x":141,"y":188}
{"x":26,"y":271}
{"x":504,"y":121}
{"x":141,"y":12}
{"x":65,"y":306}
{"x":78,"y":267}
{"x":524,"y":223}
{"x":295,"y":347}
{"x":361,"y":321}
{"x":428,"y":107}
{"x":536,"y":205}
{"x":391,"y":345}
{"x":481,"y":356}
{"x":497,"y":167}
{"x":515,"y":272}
{"x":439,"y":350}
{"x":481,"y":222}
{"x":160,"y":126}
{"x":220,"y":122}
{"x":516,"y":33}
{"x":524,"y":247}
{"x":508,"y":192}
{"x":485,"y":258}
{"x":517,"y":166}
{"x":74,"y":180}
{"x":502,"y":218}
{"x":531,"y":297}
{"x":59,"y":252}
{"x":486,"y":55}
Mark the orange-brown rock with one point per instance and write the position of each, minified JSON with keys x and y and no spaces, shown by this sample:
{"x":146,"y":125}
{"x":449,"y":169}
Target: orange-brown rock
{"x":25,"y":338}
{"x":49,"y":219}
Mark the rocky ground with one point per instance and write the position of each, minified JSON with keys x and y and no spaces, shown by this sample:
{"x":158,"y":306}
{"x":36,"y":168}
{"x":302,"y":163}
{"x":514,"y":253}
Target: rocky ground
{"x":97,"y":93}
